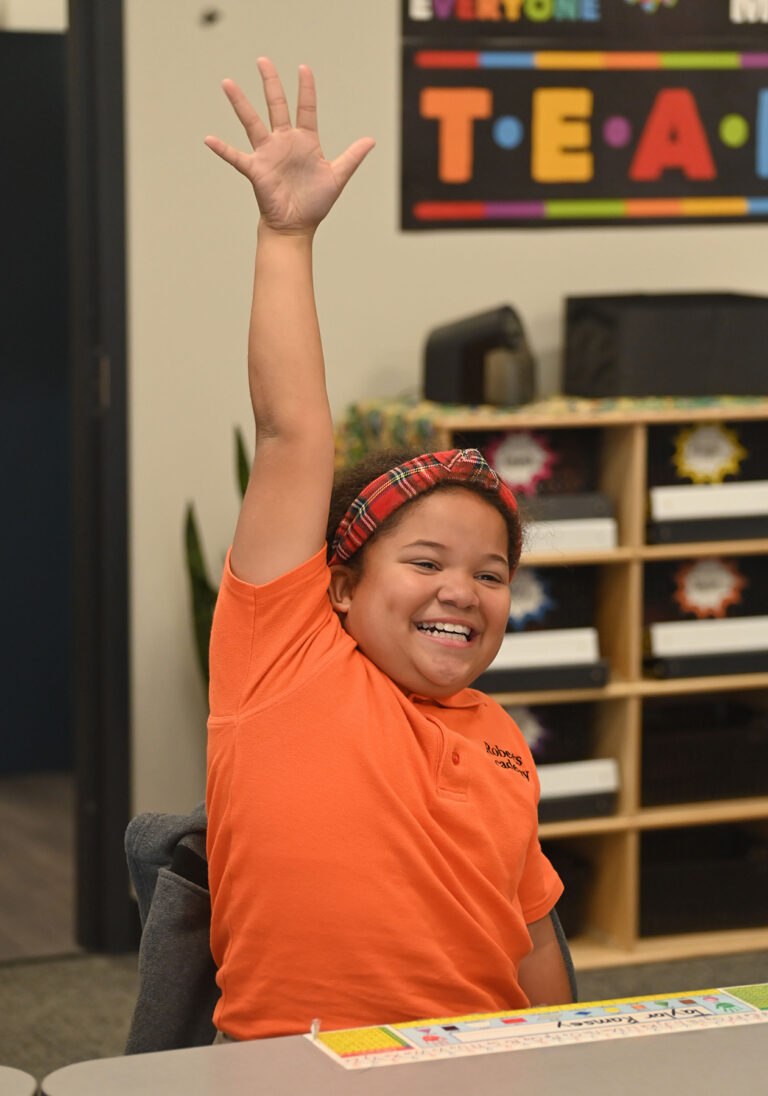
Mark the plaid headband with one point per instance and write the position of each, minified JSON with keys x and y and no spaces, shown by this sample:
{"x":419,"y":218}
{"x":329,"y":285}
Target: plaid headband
{"x":388,"y":492}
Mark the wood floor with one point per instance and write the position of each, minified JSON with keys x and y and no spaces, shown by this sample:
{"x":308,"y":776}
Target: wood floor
{"x":37,"y":866}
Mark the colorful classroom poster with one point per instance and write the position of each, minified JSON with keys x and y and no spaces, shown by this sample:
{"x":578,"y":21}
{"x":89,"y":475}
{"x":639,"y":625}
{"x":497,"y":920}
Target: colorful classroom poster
{"x":568,"y":112}
{"x":493,"y":1033}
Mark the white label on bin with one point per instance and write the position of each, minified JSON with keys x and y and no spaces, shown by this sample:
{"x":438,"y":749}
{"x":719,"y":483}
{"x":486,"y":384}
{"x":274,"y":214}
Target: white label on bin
{"x":700,"y":637}
{"x":687,"y":502}
{"x":549,"y":647}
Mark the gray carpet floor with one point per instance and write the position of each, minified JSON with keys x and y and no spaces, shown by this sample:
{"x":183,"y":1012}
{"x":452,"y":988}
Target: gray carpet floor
{"x":37,"y":865}
{"x":72,"y":1008}
{"x":69,"y":1009}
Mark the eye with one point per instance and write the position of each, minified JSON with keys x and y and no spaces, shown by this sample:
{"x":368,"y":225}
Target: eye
{"x":425,"y":564}
{"x":487,"y":576}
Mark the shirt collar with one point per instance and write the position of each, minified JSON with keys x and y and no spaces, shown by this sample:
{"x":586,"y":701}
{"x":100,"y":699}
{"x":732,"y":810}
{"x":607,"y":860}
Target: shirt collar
{"x":465,"y":698}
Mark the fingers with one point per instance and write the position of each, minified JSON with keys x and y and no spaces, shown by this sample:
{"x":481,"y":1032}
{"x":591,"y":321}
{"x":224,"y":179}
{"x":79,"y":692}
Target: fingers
{"x":345,"y":165}
{"x":277,"y":104}
{"x":233,"y":156}
{"x":306,"y":106}
{"x":252,"y":123}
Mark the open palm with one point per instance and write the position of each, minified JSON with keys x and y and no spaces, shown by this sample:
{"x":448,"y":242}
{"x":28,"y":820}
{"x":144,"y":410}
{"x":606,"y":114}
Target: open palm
{"x":295,"y":185}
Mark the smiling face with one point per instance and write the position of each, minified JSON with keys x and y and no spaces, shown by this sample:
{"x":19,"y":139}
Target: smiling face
{"x":431,"y":605}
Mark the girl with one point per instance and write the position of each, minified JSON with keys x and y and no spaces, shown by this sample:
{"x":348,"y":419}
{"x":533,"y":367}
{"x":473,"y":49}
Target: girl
{"x":372,"y":833}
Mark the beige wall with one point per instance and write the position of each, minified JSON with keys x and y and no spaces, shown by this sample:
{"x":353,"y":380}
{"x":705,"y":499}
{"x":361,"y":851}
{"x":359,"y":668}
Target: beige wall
{"x":33,"y":15}
{"x":191,"y":237}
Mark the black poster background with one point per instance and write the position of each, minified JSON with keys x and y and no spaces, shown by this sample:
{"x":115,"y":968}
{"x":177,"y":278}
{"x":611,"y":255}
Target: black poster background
{"x":502,"y":175}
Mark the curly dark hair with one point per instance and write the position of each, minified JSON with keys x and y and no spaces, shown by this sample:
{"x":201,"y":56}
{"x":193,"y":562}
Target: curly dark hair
{"x":349,"y":482}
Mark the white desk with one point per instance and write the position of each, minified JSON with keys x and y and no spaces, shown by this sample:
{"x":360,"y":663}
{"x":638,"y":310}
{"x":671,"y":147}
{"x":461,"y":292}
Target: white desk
{"x":722,"y":1060}
{"x":15,"y":1082}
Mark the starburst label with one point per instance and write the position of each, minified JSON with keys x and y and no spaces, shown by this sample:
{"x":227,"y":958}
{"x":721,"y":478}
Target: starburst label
{"x":708,"y":587}
{"x":530,"y":726}
{"x":708,"y":452}
{"x":523,"y":459}
{"x":530,"y":598}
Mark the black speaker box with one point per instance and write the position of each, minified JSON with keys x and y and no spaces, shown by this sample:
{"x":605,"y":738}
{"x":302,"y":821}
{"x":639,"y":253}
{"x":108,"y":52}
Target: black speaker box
{"x":459,"y":366}
{"x":675,"y":344}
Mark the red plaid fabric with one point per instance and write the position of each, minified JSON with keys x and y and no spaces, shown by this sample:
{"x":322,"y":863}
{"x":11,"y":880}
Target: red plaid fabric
{"x":388,"y":492}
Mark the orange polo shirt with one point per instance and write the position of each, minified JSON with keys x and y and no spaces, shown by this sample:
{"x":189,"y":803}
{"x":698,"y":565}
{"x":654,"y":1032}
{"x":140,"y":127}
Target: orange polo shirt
{"x":373,"y":856}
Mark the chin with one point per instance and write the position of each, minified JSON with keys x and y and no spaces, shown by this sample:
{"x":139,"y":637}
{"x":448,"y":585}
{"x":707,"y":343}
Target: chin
{"x":440,"y":693}
{"x":443,"y":688}
{"x":426,"y":681}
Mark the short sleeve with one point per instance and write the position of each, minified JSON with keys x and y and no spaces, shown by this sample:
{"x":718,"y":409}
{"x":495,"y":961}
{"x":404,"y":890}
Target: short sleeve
{"x":266,"y":639}
{"x":540,"y":885}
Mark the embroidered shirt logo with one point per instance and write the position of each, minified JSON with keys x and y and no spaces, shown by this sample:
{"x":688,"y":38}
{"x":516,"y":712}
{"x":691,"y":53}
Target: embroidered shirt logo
{"x":505,"y":759}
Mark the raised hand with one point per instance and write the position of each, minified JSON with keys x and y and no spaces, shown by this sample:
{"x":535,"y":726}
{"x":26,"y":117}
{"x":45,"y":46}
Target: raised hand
{"x":295,"y":185}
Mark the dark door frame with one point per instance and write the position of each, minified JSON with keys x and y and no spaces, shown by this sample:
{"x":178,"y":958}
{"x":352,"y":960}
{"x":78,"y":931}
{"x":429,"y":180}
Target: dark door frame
{"x":106,"y":917}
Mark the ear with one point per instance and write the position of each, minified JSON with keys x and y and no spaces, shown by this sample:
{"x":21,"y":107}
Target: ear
{"x":342,"y":587}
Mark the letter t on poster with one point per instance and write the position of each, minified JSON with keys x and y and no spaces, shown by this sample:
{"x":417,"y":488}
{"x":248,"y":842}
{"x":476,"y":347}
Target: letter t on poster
{"x":456,"y":109}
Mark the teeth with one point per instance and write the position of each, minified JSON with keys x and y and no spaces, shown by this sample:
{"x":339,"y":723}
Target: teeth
{"x":440,"y":628}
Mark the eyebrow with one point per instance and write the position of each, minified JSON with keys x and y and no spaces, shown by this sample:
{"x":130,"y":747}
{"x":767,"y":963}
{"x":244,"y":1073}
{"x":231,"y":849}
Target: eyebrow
{"x":492,"y":556}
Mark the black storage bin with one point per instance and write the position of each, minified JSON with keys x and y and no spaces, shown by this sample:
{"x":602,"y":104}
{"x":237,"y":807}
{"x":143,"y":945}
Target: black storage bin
{"x":553,"y":597}
{"x":666,"y":466}
{"x":702,"y":879}
{"x":695,"y":456}
{"x":671,"y":594}
{"x":543,"y":600}
{"x":665,"y":595}
{"x":555,"y":732}
{"x":675,"y":344}
{"x":587,"y":795}
{"x":701,"y":751}
{"x":576,"y":873}
{"x":588,"y":675}
{"x":568,"y":459}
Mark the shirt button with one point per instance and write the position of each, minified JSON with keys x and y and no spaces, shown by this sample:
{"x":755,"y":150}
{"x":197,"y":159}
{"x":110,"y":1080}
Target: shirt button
{"x":455,"y":757}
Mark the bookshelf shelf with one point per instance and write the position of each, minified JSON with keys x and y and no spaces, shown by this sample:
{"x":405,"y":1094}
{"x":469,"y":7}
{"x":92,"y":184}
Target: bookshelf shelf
{"x":613,"y":845}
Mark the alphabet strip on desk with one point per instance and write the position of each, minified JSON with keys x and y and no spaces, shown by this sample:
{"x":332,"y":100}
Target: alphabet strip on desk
{"x":492,"y":1033}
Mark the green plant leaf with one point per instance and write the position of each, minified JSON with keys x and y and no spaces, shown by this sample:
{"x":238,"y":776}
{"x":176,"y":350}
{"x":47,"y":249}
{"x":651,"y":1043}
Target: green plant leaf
{"x":203,"y":593}
{"x":243,"y":464}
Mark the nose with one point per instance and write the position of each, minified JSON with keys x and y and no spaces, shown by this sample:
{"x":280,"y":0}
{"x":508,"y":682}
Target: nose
{"x":458,"y":588}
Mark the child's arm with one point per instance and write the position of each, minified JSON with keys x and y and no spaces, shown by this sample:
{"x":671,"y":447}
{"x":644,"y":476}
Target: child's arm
{"x":285,"y":510}
{"x":542,"y":974}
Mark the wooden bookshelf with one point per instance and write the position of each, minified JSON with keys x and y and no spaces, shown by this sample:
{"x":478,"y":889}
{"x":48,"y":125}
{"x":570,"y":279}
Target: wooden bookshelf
{"x":613,"y":843}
